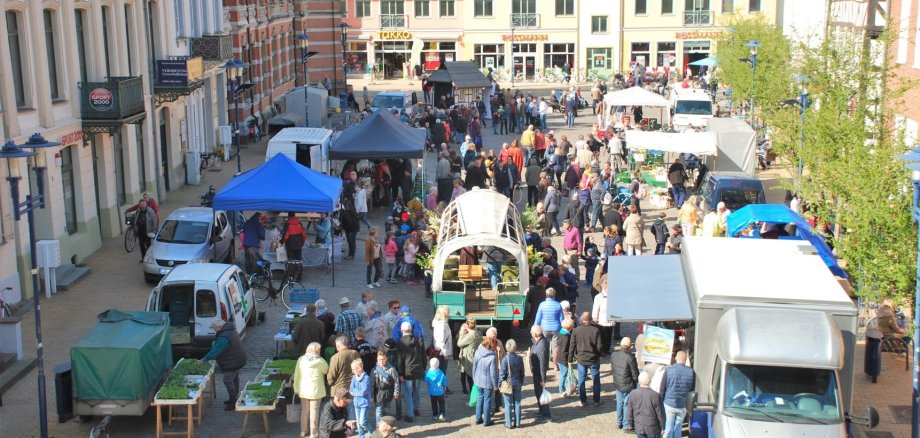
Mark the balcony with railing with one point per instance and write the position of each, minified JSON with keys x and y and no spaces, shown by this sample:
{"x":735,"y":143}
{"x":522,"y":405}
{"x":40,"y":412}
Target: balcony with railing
{"x":213,"y":47}
{"x":525,"y":20}
{"x":389,"y":21}
{"x":697,"y":18}
{"x":116,"y":101}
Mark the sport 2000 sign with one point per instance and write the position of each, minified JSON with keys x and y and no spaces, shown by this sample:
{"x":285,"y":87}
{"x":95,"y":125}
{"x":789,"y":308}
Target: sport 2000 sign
{"x":101,"y":99}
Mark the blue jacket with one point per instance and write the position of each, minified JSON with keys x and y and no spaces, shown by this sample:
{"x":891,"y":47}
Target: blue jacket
{"x":417,"y":329}
{"x":512,"y":369}
{"x":549,"y":315}
{"x":361,"y":390}
{"x":485,"y":370}
{"x":436,"y":381}
{"x":677,"y":382}
{"x":253,"y":231}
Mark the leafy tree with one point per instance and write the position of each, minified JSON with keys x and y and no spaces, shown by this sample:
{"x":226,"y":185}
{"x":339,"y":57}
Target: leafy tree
{"x":852,"y":182}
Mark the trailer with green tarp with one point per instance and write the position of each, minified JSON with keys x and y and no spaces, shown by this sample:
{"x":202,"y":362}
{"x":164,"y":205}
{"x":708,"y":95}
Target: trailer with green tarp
{"x":118,"y":366}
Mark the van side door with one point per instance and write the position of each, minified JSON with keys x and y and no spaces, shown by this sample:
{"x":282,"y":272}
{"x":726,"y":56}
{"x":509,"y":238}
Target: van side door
{"x":246,"y":298}
{"x":232,"y":290}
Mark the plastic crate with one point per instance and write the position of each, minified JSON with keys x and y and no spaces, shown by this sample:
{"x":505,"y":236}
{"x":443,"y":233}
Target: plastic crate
{"x":304,"y":295}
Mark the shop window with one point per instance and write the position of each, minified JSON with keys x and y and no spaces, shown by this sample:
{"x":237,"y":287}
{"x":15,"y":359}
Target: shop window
{"x":70,"y":189}
{"x":754,"y":5}
{"x":489,"y":55}
{"x":667,"y":6}
{"x":599,"y":24}
{"x":557,"y":55}
{"x":565,"y":7}
{"x":447,"y":8}
{"x":356,"y":53}
{"x":665,"y":53}
{"x":599,"y":58}
{"x":728,"y":6}
{"x":641,"y":7}
{"x":422,"y":8}
{"x":362,"y":8}
{"x":482,"y":8}
{"x":17,"y":56}
{"x":639,"y":53}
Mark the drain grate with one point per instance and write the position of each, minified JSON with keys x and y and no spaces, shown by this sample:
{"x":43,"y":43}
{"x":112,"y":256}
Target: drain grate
{"x":878,"y":434}
{"x":901,"y":413}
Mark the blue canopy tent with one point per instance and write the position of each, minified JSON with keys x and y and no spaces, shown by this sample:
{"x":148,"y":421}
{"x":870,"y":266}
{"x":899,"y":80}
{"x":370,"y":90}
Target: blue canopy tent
{"x":281,"y":184}
{"x":746,"y":216}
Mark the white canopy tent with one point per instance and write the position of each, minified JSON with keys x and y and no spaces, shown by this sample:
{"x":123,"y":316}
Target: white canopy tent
{"x":637,"y":96}
{"x":697,"y":143}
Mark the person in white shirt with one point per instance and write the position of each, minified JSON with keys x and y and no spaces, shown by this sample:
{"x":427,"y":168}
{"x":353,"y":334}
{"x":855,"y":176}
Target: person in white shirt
{"x":599,"y":316}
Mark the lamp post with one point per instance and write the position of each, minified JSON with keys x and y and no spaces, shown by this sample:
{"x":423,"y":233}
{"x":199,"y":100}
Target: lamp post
{"x":11,"y":152}
{"x":343,"y":26}
{"x":234,"y":68}
{"x":753,"y":45}
{"x":803,"y":105}
{"x":913,"y":159}
{"x":303,"y":40}
{"x":512,"y":52}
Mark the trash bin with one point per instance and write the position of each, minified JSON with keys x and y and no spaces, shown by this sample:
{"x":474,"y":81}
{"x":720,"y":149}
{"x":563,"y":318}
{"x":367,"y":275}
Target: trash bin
{"x":63,"y":390}
{"x":343,"y":100}
{"x":872,"y":362}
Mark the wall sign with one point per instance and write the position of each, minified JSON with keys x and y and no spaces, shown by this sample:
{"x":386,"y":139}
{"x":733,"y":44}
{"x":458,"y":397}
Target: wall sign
{"x":526,"y":37}
{"x":72,"y":137}
{"x":394,"y":35}
{"x":695,"y":35}
{"x":101,"y":99}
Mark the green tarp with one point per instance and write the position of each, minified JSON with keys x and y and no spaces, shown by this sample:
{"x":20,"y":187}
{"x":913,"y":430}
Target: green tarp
{"x":123,"y":357}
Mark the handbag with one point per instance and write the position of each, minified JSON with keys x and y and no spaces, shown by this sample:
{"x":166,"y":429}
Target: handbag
{"x":432,"y":352}
{"x":474,"y":395}
{"x":281,"y":254}
{"x":506,"y":388}
{"x":292,"y":412}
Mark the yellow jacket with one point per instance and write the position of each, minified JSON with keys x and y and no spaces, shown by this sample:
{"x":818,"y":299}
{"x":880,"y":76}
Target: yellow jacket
{"x":527,"y":138}
{"x":310,"y":377}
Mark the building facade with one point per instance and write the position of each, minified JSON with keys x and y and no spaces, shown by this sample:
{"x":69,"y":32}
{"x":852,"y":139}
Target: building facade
{"x":905,"y":17}
{"x":600,"y":24}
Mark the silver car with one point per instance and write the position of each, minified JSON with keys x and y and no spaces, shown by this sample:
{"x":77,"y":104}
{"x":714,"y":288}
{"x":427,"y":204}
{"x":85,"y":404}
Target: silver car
{"x":189,"y":235}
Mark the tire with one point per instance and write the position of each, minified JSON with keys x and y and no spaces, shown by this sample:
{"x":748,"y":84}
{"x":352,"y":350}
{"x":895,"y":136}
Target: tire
{"x":230,"y":254}
{"x":259,"y":285}
{"x":130,"y":240}
{"x":151,"y":279}
{"x":286,"y":293}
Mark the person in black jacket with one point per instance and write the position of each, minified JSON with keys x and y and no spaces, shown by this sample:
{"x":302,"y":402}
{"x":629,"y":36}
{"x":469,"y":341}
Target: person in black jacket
{"x":411,"y":363}
{"x":585,"y":349}
{"x":231,"y":357}
{"x":333,"y":422}
{"x":563,"y":340}
{"x":625,"y":378}
{"x":475,"y":175}
{"x":539,"y":364}
{"x":577,"y":213}
{"x":660,"y":231}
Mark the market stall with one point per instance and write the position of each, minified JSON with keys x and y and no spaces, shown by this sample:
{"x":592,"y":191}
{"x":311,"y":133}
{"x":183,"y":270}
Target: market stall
{"x":283,"y":185}
{"x":737,"y":146}
{"x":461,"y":81}
{"x":185,"y":386}
{"x":642,"y":143}
{"x":263,"y":394}
{"x":637,"y":96}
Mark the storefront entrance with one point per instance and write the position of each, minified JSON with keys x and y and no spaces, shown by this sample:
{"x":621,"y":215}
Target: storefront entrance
{"x":695,"y":51}
{"x":525,"y":60}
{"x":390,"y":57}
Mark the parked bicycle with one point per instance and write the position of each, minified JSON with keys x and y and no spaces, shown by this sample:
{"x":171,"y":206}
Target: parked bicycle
{"x":130,"y":237}
{"x":208,"y":160}
{"x":265,"y":286}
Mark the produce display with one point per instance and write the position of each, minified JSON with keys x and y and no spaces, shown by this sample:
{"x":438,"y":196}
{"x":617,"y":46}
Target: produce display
{"x":265,"y":390}
{"x":185,"y":380}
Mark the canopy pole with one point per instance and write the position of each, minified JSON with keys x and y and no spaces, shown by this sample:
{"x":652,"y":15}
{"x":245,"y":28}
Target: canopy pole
{"x":332,"y":256}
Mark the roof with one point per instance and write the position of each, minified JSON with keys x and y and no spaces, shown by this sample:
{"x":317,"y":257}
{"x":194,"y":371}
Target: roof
{"x":303,"y":135}
{"x":629,"y":297}
{"x":280,"y":184}
{"x":734,"y":269}
{"x":756,"y":336}
{"x":201,"y":214}
{"x":381,"y":135}
{"x":635,"y":96}
{"x":697,"y":143}
{"x":196,"y":271}
{"x":732,"y":175}
{"x":463,"y":74}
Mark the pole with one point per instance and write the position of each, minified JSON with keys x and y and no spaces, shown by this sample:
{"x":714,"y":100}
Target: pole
{"x":306,"y":96}
{"x":512,"y":52}
{"x":753,"y":67}
{"x":915,"y":400}
{"x":234,"y":86}
{"x":803,"y":101}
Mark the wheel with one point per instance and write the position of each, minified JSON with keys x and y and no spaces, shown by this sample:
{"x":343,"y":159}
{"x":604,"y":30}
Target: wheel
{"x":230,"y":254}
{"x":130,"y":239}
{"x":286,"y":292}
{"x":259,"y":285}
{"x":150,"y":279}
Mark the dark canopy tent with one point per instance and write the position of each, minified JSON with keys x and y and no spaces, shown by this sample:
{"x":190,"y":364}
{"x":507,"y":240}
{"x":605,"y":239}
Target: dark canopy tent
{"x":380,"y":136}
{"x":281,"y":121}
{"x":460,"y":75}
{"x":281,"y":184}
{"x":746,"y":216}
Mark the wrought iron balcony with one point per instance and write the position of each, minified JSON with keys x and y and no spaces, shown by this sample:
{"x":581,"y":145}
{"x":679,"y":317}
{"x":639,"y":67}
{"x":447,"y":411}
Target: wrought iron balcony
{"x":213,"y":47}
{"x":110,"y":104}
{"x":389,"y":21}
{"x":697,"y":18}
{"x":525,"y":20}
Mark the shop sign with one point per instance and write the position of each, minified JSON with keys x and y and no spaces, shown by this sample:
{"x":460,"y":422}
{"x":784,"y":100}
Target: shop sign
{"x":101,"y":99}
{"x":195,"y":68}
{"x":525,"y":37}
{"x":72,"y":137}
{"x":394,"y":35}
{"x":698,"y":35}
{"x":172,"y":72}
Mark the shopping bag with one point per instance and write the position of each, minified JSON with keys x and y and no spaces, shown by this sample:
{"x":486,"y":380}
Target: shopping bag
{"x":281,"y":254}
{"x":293,"y":412}
{"x":545,"y":397}
{"x":474,"y":395}
{"x":570,"y":385}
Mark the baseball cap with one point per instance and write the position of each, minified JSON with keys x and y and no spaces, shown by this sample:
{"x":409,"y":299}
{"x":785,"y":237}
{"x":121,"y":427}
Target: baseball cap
{"x":344,"y":300}
{"x":342,"y":394}
{"x":390,"y":421}
{"x":390,"y":344}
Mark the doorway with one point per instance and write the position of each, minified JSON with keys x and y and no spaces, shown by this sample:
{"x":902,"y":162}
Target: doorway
{"x":164,"y":151}
{"x":526,"y":64}
{"x":695,"y":51}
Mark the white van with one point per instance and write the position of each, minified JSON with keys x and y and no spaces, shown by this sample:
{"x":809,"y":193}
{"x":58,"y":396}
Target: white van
{"x":307,"y":146}
{"x":196,"y":295}
{"x":690,"y":107}
{"x":401,"y":100}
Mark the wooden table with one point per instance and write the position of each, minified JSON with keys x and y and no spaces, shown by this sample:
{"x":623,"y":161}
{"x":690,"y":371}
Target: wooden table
{"x":263,"y":411}
{"x":190,"y":416}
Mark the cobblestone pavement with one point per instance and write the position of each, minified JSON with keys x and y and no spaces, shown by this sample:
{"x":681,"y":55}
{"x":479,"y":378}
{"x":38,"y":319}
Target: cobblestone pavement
{"x":116,"y":282}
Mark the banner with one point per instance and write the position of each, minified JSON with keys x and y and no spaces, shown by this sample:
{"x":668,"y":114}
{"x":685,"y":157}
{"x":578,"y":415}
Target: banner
{"x":658,"y":345}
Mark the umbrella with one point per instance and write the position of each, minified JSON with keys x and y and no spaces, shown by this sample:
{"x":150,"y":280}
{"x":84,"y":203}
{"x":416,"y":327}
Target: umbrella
{"x":708,"y":61}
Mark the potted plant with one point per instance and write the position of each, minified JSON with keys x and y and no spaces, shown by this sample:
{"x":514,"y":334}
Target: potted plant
{"x":425,"y":262}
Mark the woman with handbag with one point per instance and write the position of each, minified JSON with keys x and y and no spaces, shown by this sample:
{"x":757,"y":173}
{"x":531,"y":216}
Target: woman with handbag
{"x":442,"y":338}
{"x":310,"y":386}
{"x":468,"y":340}
{"x":511,"y":376}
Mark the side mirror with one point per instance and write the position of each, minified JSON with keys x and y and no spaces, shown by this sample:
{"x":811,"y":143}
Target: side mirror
{"x":694,"y":405}
{"x":869,"y":421}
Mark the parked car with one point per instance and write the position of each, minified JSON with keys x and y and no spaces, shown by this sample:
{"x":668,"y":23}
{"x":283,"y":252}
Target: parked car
{"x":735,"y":189}
{"x":195,"y":296}
{"x":189,"y":235}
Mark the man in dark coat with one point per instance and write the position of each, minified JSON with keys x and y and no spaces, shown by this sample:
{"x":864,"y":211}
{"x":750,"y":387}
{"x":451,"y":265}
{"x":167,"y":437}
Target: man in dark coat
{"x":333,"y":421}
{"x":585,"y":350}
{"x":411,"y":365}
{"x":231,"y":357}
{"x":308,"y":329}
{"x":645,"y":411}
{"x":475,"y":175}
{"x":625,"y":378}
{"x":539,"y":364}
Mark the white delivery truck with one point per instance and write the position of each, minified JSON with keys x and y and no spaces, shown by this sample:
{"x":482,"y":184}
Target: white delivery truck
{"x":772,"y":334}
{"x":307,"y":146}
{"x":690,"y":107}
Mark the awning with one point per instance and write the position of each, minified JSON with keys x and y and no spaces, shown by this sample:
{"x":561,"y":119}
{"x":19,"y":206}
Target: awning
{"x":696,"y":143}
{"x":647,"y":289}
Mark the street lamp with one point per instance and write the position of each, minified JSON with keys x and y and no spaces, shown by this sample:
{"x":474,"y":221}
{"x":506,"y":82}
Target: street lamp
{"x":234,"y":68}
{"x":512,"y":52}
{"x":753,"y":45}
{"x":343,"y":26}
{"x":12,"y":152}
{"x":912,"y":159}
{"x":802,"y":80}
{"x":304,"y":43}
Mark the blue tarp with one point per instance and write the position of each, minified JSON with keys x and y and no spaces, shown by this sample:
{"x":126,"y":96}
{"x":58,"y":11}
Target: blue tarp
{"x":380,"y":136}
{"x":744,"y":217}
{"x":281,"y":184}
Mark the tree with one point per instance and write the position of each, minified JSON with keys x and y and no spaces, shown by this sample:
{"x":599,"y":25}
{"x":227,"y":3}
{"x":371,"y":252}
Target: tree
{"x":851,"y":181}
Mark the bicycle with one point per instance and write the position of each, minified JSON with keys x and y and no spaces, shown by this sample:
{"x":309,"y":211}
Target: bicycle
{"x":263,"y":282}
{"x":208,"y":160}
{"x":130,"y":237}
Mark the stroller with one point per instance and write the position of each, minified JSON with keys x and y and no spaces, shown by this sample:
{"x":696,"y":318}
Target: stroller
{"x":620,"y":195}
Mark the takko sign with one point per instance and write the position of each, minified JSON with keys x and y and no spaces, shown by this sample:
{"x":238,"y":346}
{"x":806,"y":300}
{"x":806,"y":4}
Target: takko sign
{"x":526,"y":37}
{"x":72,"y":137}
{"x":394,"y":35}
{"x":697,"y":35}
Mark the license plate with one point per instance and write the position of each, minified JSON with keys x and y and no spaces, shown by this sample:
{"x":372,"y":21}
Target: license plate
{"x":164,"y":271}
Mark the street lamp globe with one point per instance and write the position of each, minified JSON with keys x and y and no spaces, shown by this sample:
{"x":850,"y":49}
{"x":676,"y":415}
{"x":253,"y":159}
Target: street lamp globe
{"x":303,"y":40}
{"x":234,"y":67}
{"x":753,"y":45}
{"x":36,"y":141}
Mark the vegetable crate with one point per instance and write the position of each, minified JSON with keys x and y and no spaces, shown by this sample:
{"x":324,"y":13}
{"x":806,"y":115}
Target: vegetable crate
{"x":304,"y":295}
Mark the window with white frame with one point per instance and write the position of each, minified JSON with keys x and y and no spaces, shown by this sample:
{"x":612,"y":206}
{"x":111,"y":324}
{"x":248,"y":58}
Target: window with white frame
{"x":753,"y":5}
{"x":447,"y":8}
{"x":667,"y":6}
{"x":565,"y":7}
{"x":482,"y":8}
{"x":195,"y":18}
{"x":422,"y":8}
{"x":179,"y":12}
{"x":362,"y":8}
{"x":599,"y":24}
{"x":641,"y":7}
{"x":48,"y":17}
{"x":14,"y":35}
{"x":728,"y":6}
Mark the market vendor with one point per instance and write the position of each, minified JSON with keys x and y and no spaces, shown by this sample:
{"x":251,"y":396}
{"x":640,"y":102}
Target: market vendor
{"x":228,"y":350}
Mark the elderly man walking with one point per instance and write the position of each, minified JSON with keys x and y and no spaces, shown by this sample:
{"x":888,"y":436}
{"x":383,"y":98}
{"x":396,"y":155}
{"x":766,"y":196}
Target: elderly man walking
{"x":584,"y":349}
{"x":539,"y":365}
{"x":625,"y":378}
{"x":645,"y":412}
{"x":676,"y":384}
